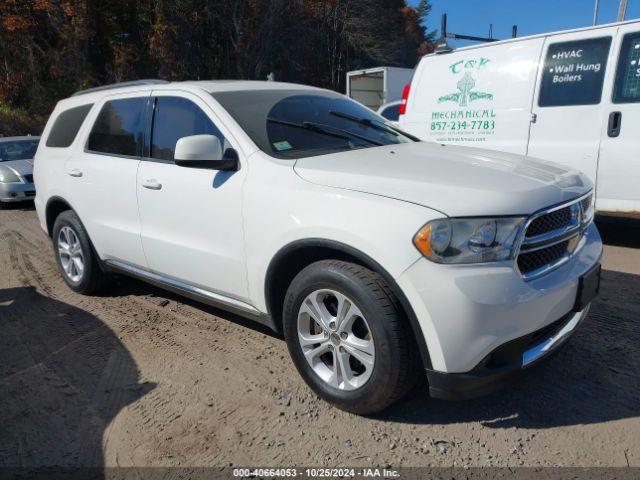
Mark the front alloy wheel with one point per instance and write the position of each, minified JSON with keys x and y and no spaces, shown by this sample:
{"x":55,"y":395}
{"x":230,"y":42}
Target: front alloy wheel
{"x":348,"y":336}
{"x":336,"y":339}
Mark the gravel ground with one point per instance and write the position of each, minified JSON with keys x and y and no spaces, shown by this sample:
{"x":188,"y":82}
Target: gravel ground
{"x":140,"y":377}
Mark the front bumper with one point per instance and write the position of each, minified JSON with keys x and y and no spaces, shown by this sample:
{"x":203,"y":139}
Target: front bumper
{"x":17,"y":192}
{"x":465,"y":312}
{"x":506,"y":363}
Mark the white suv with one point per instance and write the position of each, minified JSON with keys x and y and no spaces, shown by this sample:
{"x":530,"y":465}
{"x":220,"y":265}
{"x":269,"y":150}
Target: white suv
{"x":375,"y":254}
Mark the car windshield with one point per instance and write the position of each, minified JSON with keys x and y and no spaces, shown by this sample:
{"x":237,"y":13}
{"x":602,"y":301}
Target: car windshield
{"x":17,"y":150}
{"x":302,"y":123}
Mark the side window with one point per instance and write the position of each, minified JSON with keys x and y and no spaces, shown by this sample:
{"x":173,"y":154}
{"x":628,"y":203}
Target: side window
{"x":119,"y":128}
{"x":627,"y":88}
{"x":574,"y":73}
{"x":66,"y":126}
{"x":174,"y":118}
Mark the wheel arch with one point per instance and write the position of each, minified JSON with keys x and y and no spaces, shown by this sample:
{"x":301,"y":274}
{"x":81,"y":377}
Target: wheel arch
{"x":55,"y":206}
{"x":293,"y":257}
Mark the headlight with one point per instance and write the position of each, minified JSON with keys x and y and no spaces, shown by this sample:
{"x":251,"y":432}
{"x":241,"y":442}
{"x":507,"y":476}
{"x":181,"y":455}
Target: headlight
{"x":8,"y":176}
{"x":588,"y":209}
{"x":469,"y":240}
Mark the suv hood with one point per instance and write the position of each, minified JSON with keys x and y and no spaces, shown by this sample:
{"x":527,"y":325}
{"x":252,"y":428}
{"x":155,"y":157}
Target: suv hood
{"x":457,"y":181}
{"x":21,"y":167}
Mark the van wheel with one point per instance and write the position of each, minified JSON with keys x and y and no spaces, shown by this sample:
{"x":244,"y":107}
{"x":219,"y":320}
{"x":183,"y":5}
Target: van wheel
{"x":77,"y":261}
{"x":348,"y":336}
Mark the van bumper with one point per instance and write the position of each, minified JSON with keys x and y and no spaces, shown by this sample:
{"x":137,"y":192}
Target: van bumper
{"x":506,"y":363}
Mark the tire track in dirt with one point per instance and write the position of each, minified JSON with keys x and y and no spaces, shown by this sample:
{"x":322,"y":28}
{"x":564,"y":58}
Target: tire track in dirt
{"x":221,"y":392}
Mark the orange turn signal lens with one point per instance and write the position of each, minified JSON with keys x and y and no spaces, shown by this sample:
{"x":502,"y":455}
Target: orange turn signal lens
{"x":422,"y":240}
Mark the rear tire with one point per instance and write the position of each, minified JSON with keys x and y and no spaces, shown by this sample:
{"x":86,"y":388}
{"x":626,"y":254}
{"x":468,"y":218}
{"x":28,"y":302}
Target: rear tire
{"x":77,"y":261}
{"x":348,"y":336}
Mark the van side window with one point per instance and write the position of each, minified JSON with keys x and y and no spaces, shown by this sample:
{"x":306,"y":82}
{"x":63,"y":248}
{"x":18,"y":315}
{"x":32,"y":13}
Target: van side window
{"x":119,"y":128}
{"x":66,"y":126}
{"x":574,"y":73}
{"x":174,"y":118}
{"x":627,"y":88}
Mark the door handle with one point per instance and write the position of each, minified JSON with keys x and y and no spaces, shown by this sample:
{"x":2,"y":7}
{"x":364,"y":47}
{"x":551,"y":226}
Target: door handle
{"x":615,"y":124}
{"x":152,"y":184}
{"x":75,"y":172}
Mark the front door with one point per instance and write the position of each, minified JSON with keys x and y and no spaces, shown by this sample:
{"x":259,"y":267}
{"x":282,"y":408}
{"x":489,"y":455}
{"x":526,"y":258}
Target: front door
{"x":191,"y":217}
{"x":618,"y":187}
{"x":569,"y":105}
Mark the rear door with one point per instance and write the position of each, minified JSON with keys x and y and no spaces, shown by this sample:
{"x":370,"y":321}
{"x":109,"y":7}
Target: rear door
{"x":476,"y":97}
{"x":618,"y":188}
{"x":568,"y":110}
{"x":101,"y":177}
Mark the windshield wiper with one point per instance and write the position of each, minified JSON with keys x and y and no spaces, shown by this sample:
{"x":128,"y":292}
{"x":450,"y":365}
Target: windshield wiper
{"x":326,"y":130}
{"x":367,"y":122}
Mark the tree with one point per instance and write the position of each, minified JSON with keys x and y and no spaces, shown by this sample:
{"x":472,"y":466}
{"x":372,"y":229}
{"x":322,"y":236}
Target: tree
{"x":51,"y":48}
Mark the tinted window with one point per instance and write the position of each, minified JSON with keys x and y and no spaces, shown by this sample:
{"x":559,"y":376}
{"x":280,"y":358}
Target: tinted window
{"x":297,"y":123}
{"x":574,"y":72}
{"x":119,"y":127}
{"x":391,"y":113}
{"x":17,"y":150}
{"x":627,"y":89}
{"x":175,"y":118}
{"x":66,"y":126}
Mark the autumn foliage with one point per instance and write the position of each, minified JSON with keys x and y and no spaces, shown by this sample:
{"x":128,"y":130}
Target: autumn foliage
{"x":51,"y":48}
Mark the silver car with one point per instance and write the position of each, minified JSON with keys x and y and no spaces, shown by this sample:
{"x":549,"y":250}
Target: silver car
{"x":16,"y":168}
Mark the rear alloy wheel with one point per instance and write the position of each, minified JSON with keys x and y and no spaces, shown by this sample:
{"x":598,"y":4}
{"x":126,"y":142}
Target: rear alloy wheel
{"x":70,"y":254}
{"x":348,"y":336}
{"x":77,"y":261}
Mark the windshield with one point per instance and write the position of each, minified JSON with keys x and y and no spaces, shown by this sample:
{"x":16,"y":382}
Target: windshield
{"x":304,"y":123}
{"x":18,"y":150}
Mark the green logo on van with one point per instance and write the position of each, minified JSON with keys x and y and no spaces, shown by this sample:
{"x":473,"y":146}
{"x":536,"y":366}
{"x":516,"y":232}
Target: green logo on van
{"x":465,"y":93}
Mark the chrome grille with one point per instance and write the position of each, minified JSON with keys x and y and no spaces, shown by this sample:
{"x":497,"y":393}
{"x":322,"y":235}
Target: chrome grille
{"x":552,"y":236}
{"x":549,"y":222}
{"x":532,"y":261}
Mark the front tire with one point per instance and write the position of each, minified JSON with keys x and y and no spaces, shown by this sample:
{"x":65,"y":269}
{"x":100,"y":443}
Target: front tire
{"x":77,"y":261}
{"x":348,"y":336}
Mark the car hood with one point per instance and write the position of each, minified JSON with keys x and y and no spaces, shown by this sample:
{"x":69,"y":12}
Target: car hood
{"x":457,"y":181}
{"x":21,"y":167}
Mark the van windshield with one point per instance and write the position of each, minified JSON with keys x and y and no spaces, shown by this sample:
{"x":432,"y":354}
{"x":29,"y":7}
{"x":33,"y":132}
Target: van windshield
{"x":303,"y":123}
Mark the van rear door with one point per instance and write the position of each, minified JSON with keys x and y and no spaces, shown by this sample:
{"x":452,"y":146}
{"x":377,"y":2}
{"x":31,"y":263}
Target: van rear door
{"x":476,"y":97}
{"x":619,"y":165}
{"x":568,"y":110}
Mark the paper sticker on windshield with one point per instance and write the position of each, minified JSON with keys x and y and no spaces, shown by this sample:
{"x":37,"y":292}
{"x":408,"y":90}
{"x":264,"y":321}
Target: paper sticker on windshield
{"x":283,"y":145}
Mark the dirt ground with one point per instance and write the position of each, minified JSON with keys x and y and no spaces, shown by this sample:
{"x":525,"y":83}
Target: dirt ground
{"x":138,"y":376}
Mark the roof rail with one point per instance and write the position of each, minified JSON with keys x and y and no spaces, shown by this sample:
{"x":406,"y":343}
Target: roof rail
{"x":134,"y":83}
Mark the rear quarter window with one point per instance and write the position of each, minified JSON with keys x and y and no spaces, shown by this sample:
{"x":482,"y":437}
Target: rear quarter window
{"x":574,"y":72}
{"x":66,"y":126}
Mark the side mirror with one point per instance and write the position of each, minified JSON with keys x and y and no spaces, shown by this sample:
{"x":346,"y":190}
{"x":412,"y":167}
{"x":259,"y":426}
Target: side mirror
{"x":204,"y":151}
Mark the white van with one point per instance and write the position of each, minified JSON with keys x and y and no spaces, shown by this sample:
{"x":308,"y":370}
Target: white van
{"x":569,"y":96}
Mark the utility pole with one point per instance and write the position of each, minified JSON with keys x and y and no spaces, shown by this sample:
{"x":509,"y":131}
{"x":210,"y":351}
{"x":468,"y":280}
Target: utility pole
{"x":595,"y":13}
{"x":622,"y":11}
